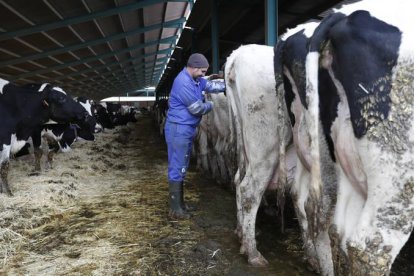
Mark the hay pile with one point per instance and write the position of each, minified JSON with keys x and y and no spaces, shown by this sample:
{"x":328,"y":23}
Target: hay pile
{"x":101,"y":210}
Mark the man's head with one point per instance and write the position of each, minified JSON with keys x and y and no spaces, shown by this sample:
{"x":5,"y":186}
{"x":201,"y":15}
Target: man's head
{"x":197,"y":65}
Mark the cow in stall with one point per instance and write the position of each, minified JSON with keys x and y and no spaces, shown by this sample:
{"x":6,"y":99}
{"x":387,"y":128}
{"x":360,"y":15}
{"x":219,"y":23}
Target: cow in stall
{"x":214,"y":150}
{"x":261,"y":132}
{"x":160,"y":114}
{"x":127,"y":114}
{"x":57,"y":137}
{"x":114,"y":111}
{"x":367,"y":49}
{"x":120,"y":114}
{"x":290,"y":73}
{"x":23,"y":110}
{"x":102,"y":117}
{"x":201,"y":146}
{"x":89,"y":107}
{"x":60,"y":136}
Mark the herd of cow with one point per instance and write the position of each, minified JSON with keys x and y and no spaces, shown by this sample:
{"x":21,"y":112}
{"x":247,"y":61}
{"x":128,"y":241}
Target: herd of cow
{"x":327,"y":116}
{"x":35,"y":112}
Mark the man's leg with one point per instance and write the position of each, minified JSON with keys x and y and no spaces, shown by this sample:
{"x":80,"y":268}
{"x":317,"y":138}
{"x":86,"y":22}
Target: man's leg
{"x":185,"y":206}
{"x":179,"y":140}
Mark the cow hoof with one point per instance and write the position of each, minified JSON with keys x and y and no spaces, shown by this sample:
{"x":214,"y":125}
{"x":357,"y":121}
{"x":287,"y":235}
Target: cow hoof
{"x":258,"y":261}
{"x":34,"y":173}
{"x":242,"y":249}
{"x":6,"y":191}
{"x":238,"y":232}
{"x":179,"y":215}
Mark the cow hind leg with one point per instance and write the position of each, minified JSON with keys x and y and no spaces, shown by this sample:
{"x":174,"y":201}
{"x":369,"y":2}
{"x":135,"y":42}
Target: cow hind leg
{"x":238,"y":230}
{"x":385,"y":225}
{"x":339,"y":257}
{"x":250,"y":201}
{"x":348,"y":208}
{"x":50,"y":159}
{"x":38,"y":152}
{"x":352,"y":204}
{"x":299,"y":194}
{"x":51,"y":154}
{"x":4,"y":172}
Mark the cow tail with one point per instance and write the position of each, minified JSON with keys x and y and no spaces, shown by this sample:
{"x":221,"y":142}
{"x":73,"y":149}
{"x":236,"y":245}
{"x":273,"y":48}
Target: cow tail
{"x":229,"y":77}
{"x":316,"y":43}
{"x":282,"y":118}
{"x":223,"y":68}
{"x":278,"y":63}
{"x":282,"y":182}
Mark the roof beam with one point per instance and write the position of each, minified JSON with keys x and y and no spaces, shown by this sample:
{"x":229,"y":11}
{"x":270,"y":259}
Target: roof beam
{"x":121,"y":70}
{"x":111,"y":81}
{"x":122,"y":86}
{"x":84,"y":71}
{"x":92,"y":58}
{"x":104,"y":75}
{"x":107,"y":77}
{"x":111,"y":78}
{"x":168,"y":24}
{"x":100,"y":87}
{"x":80,"y":19}
{"x":115,"y":83}
{"x":141,"y":68}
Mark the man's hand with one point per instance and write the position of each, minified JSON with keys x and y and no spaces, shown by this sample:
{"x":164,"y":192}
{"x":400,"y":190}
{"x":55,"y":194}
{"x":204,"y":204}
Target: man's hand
{"x":216,"y":76}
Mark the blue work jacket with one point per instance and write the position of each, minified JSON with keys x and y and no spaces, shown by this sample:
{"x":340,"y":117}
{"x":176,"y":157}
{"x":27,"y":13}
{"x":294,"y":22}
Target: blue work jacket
{"x":186,"y":102}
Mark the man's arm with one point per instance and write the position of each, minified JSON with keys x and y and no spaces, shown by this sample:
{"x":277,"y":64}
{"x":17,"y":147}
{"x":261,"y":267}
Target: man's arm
{"x":216,"y":86}
{"x":199,"y":108}
{"x":194,"y":105}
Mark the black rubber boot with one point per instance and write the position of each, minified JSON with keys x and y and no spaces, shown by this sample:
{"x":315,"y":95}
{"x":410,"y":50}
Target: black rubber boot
{"x":176,"y":201}
{"x":185,"y":206}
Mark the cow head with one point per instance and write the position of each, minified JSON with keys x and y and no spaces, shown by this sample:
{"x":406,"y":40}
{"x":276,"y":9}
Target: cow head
{"x":86,"y":128}
{"x":62,"y":108}
{"x":102,"y":116}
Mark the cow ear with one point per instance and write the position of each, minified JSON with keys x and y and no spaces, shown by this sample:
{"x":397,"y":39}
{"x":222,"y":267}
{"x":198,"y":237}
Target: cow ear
{"x":45,"y":103}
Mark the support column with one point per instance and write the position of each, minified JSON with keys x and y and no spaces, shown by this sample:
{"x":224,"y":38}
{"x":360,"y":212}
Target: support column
{"x":271,"y":22}
{"x":214,"y":37}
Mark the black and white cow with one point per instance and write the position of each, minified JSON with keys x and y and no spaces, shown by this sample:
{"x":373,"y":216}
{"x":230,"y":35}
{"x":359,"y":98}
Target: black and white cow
{"x":160,"y":110}
{"x":88,"y":105}
{"x":367,"y":49}
{"x":24,"y":109}
{"x":102,"y":116}
{"x":290,"y":72}
{"x":126,"y":114}
{"x":61,"y":137}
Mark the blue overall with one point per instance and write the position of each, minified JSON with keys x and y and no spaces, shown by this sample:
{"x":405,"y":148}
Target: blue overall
{"x":186,"y":106}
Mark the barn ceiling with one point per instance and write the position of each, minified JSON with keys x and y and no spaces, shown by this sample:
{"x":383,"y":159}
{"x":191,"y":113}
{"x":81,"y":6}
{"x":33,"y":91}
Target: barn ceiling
{"x":103,"y":48}
{"x":241,"y":22}
{"x":95,"y":48}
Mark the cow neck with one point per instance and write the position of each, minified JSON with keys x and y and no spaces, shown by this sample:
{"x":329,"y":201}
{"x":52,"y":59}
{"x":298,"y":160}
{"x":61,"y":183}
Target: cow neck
{"x":25,"y":103}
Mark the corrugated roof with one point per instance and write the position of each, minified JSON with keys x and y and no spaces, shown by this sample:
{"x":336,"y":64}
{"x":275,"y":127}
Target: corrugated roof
{"x":95,"y":48}
{"x":240,"y":22}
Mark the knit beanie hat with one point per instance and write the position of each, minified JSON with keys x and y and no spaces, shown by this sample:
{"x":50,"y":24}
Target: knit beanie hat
{"x":197,"y":61}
